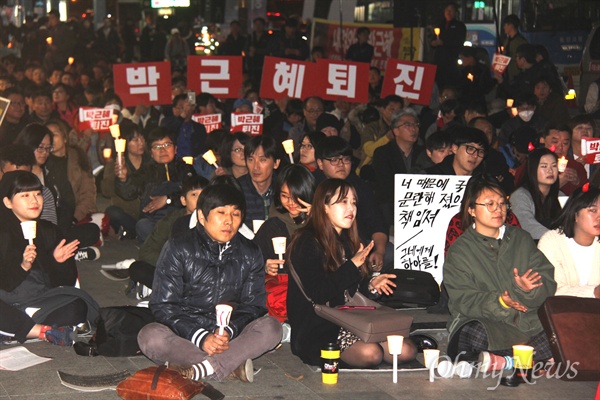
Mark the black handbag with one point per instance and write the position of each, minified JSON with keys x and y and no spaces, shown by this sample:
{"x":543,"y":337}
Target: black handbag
{"x":368,"y":320}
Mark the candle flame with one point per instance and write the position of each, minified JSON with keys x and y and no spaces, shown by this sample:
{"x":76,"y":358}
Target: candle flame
{"x":470,"y":76}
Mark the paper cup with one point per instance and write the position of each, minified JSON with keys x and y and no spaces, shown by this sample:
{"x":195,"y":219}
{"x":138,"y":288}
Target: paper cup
{"x":431,"y":357}
{"x":288,"y":146}
{"x":223,"y":315}
{"x":395,"y":344}
{"x":562,"y":164}
{"x":106,"y":153}
{"x":29,"y":230}
{"x":115,"y":131}
{"x":523,"y":356}
{"x":445,"y":369}
{"x":256,"y":224}
{"x":189,"y":160}
{"x":279,"y":244}
{"x":509,"y":103}
{"x":120,"y":145}
{"x":209,"y":157}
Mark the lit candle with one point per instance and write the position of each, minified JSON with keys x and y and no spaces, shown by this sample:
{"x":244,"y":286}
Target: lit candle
{"x":437,"y":32}
{"x":107,"y":153}
{"x":210,"y":158}
{"x":49,"y":40}
{"x":509,"y":103}
{"x":115,"y":131}
{"x":71,"y":60}
{"x":189,"y":160}
{"x":120,"y":145}
{"x":288,"y":146}
{"x":514,"y":111}
{"x":562,"y":164}
{"x":470,"y":76}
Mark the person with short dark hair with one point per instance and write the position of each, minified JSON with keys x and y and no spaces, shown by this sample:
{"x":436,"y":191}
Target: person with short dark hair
{"x":42,"y":110}
{"x":15,"y":118}
{"x":190,"y":136}
{"x":513,"y":40}
{"x":233,"y":160}
{"x":209,"y":265}
{"x":235,"y":42}
{"x":551,"y":106}
{"x":573,"y":247}
{"x":312,"y":108}
{"x":526,"y":105}
{"x":437,"y":147}
{"x":469,"y":147}
{"x":447,"y":45}
{"x":256,"y":50}
{"x":361,"y":51}
{"x":262,"y":159}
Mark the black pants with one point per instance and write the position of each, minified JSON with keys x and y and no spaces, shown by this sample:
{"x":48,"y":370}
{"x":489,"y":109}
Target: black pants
{"x":142,"y":272}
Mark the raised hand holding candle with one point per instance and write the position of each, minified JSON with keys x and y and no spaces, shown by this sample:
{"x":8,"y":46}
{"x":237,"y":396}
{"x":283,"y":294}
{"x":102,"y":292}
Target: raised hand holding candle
{"x":223,"y":315}
{"x":29,"y":230}
{"x":279,"y":244}
{"x":189,"y":160}
{"x":437,"y":33}
{"x":395,"y":343}
{"x":562,"y":164}
{"x":288,"y":146}
{"x":210,"y":158}
{"x":115,"y":131}
{"x":120,"y":145}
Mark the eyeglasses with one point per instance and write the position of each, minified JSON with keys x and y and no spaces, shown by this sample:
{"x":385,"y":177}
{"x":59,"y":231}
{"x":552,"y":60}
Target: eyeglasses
{"x":314,"y":111}
{"x":409,"y":125}
{"x":307,"y":146}
{"x":238,"y":150}
{"x":44,"y":149}
{"x":336,"y":161}
{"x":472,"y":150}
{"x":165,"y":146}
{"x":493,"y":206}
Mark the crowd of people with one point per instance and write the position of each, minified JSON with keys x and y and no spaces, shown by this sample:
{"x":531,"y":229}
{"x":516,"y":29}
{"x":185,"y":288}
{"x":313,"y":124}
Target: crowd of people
{"x":206,"y":233}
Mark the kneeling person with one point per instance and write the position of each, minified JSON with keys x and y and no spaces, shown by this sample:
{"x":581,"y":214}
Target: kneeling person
{"x":207,"y":266}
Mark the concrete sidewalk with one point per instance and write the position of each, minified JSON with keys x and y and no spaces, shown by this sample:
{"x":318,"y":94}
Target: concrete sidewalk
{"x":281,"y":376}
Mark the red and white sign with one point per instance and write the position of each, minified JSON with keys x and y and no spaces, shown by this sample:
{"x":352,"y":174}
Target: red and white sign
{"x":99,"y":119}
{"x":500,"y":63}
{"x":210,"y":121}
{"x":143,"y":83}
{"x":410,"y":80}
{"x":285,"y":78}
{"x":249,"y":123}
{"x":590,"y":149}
{"x":343,"y":80}
{"x":219,"y":76}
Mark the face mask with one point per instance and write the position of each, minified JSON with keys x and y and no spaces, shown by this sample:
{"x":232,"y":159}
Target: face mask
{"x":526,"y":115}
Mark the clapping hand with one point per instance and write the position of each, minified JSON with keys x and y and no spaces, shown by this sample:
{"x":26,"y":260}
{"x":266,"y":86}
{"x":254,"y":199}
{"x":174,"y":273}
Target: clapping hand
{"x":362,"y":253}
{"x":528,"y":281}
{"x":512,"y":303}
{"x":383,"y":284}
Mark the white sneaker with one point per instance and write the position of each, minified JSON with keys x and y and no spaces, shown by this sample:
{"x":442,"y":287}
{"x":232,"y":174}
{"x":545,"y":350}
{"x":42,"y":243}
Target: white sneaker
{"x":287,"y":332}
{"x":87,"y":254}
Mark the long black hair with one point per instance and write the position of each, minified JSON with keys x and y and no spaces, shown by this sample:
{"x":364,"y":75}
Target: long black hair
{"x":301,"y":184}
{"x":578,"y":200}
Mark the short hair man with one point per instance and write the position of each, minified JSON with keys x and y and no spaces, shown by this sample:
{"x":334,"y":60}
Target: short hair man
{"x":15,"y":118}
{"x":210,"y":265}
{"x":42,"y":107}
{"x":469,"y":147}
{"x":312,"y":108}
{"x":512,"y":42}
{"x":190,"y":136}
{"x":334,"y":158}
{"x":361,"y":51}
{"x":258,"y":184}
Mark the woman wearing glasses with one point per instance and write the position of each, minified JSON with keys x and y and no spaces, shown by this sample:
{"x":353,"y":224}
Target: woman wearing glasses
{"x":496,"y":280}
{"x":535,"y":202}
{"x":307,"y":149}
{"x":233,"y":161}
{"x":574,"y":246}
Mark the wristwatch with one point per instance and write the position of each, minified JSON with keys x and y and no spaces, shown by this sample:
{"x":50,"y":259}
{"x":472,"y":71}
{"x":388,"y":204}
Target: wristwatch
{"x":169,"y":200}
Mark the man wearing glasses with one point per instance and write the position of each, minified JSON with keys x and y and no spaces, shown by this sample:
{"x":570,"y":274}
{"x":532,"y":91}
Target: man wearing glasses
{"x":397,"y":157}
{"x":468,"y":151}
{"x":334,"y":158}
{"x":312,"y":107}
{"x":157,"y":184}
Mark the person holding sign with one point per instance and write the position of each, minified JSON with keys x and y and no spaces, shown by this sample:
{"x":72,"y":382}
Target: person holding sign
{"x":574,"y":246}
{"x":329,"y":258}
{"x":582,"y":125}
{"x":496,"y":280}
{"x":209,"y":265}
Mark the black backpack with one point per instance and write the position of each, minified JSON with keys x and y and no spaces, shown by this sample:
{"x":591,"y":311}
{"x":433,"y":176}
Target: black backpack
{"x":413,"y":288}
{"x":116,"y":332}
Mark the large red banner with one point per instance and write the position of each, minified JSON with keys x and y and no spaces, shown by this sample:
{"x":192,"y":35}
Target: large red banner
{"x":411,"y":80}
{"x":343,"y":80}
{"x":283,"y":77}
{"x":143,"y":83}
{"x":220,"y":76}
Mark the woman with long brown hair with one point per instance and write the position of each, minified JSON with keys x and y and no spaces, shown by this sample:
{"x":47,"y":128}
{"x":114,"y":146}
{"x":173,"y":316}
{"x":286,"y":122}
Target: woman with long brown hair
{"x":330,"y":260}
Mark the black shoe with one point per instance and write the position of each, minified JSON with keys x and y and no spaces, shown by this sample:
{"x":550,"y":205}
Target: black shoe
{"x":424,"y":342}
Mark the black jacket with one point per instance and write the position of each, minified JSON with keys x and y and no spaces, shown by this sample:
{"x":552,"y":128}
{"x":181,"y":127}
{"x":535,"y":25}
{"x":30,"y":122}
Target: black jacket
{"x":195,"y":273}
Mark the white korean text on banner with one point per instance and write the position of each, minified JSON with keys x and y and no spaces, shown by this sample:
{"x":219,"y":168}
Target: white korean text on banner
{"x":143,"y":83}
{"x":248,"y":123}
{"x":283,"y":77}
{"x":424,"y":205}
{"x":387,"y":41}
{"x":343,"y":80}
{"x":590,"y":149}
{"x":411,"y":80}
{"x":220,"y":76}
{"x":99,"y":119}
{"x":500,"y":63}
{"x":210,"y":121}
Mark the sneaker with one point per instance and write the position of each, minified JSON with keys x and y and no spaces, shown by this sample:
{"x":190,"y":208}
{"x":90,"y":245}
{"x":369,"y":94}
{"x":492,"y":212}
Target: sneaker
{"x":84,"y":329}
{"x":186,"y":372}
{"x":61,"y":335}
{"x":287,"y":332}
{"x":87,"y":254}
{"x":245,"y":372}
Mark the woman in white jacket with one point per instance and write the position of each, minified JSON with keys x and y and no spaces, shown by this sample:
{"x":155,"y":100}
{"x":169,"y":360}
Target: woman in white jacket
{"x":574,"y":246}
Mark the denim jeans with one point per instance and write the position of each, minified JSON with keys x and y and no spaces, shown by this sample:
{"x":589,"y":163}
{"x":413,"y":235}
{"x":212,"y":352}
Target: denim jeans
{"x":119,"y":218}
{"x":159,"y":343}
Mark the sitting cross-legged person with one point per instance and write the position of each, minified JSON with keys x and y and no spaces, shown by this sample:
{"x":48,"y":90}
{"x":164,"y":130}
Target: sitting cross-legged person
{"x":210,"y":265}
